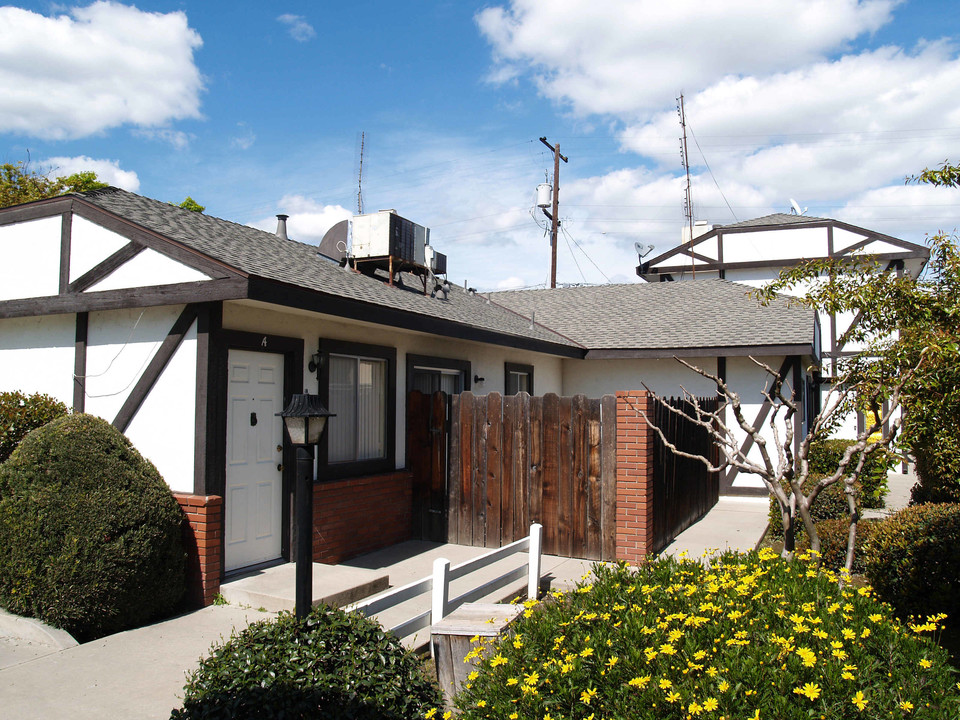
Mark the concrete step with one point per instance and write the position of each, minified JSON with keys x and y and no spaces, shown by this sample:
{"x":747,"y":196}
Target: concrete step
{"x":274,"y":588}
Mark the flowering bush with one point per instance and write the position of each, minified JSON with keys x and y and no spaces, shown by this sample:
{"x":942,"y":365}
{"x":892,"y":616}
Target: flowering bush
{"x":750,"y":636}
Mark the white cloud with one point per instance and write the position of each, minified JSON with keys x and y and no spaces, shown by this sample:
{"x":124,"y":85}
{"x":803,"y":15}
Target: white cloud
{"x":627,"y":56}
{"x":298,"y":27}
{"x":309,"y":220}
{"x":176,"y":138}
{"x":98,"y":67}
{"x":245,"y":137}
{"x":107,"y":171}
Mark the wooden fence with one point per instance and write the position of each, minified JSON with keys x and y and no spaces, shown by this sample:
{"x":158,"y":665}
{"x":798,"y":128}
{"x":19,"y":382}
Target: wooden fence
{"x":683,"y":491}
{"x":518,"y":460}
{"x":486,"y":467}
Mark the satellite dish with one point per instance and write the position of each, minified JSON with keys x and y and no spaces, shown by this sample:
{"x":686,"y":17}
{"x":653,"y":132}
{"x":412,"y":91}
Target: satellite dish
{"x":642,"y":250}
{"x":334,"y":243}
{"x":796,"y":208}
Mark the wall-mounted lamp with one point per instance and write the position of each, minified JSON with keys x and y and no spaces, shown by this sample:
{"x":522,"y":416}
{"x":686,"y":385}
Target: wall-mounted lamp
{"x":314,"y":362}
{"x":478,"y":379}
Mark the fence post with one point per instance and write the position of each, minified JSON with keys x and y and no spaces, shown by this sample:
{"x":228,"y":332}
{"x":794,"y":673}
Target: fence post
{"x":533,"y":577}
{"x":441,"y":590}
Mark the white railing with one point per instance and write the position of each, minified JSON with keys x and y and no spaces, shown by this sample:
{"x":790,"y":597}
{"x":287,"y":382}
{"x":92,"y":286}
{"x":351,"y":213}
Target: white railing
{"x":438,"y":584}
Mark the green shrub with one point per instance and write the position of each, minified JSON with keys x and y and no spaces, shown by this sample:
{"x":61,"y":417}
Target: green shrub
{"x":91,"y":532}
{"x":833,"y":536}
{"x":19,"y":414}
{"x":938,"y":471}
{"x":913,"y":560}
{"x":749,"y":636}
{"x":830,"y":504}
{"x":332,"y":664}
{"x":825,"y":456}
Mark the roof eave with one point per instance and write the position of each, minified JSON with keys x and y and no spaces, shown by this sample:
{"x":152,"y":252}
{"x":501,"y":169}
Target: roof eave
{"x":803,"y":349}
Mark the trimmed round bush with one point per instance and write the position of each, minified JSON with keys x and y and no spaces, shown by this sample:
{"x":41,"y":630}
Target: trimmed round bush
{"x":20,"y":413}
{"x":830,"y":504}
{"x":747,"y":636}
{"x":833,"y":536}
{"x":91,"y":532}
{"x":332,"y":664}
{"x":913,"y":561}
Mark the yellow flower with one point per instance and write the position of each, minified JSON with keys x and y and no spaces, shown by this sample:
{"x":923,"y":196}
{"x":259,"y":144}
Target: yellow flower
{"x":430,"y":713}
{"x":810,"y":690}
{"x":724,"y":686}
{"x":448,"y":714}
{"x":840,"y":654}
{"x":756,"y":715}
{"x":694,"y":709}
{"x":924,"y":663}
{"x":481,"y":703}
{"x":498,"y":659}
{"x":848,"y":634}
{"x":673,"y":697}
{"x":512,"y":681}
{"x":513,"y":716}
{"x":859,"y":700}
{"x":808,"y":657}
{"x":876,"y":617}
{"x":710,"y":704}
{"x":532,"y":679}
{"x":586,"y":652}
{"x":587,"y":695}
{"x":612,"y":661}
{"x":473,"y":676}
{"x":667,"y":649}
{"x":906,"y":706}
{"x":665,"y":684}
{"x":640,"y":682}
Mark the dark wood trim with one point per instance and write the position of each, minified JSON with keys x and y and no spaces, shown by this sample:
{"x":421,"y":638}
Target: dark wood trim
{"x":36,"y":210}
{"x":432,"y":361}
{"x":292,"y":350}
{"x":138,"y":297}
{"x":714,"y":266}
{"x":155,"y":241}
{"x":509,"y":367}
{"x":102,"y":269}
{"x":209,"y":451}
{"x":722,"y":374}
{"x":276,"y":293}
{"x":66,"y":233}
{"x":796,"y":371}
{"x":726,"y":484}
{"x":655,"y":353}
{"x":80,"y":362}
{"x":155,"y":368}
{"x":723,"y":273}
{"x":331,"y":471}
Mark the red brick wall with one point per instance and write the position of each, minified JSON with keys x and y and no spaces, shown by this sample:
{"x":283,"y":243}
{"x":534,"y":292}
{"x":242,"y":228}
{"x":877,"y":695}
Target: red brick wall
{"x":202,"y":539}
{"x":634,"y":468}
{"x":358,"y":515}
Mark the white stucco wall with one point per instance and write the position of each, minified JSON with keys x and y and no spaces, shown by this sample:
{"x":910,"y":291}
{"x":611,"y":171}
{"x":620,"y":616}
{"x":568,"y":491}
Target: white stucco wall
{"x":90,"y":244}
{"x":30,"y":259}
{"x":120,"y":344}
{"x":36,"y":355}
{"x":487,"y":361}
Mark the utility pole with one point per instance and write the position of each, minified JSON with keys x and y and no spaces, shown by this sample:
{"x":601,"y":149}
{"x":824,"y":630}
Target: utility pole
{"x":554,"y":215}
{"x":360,"y":177}
{"x":687,"y":201}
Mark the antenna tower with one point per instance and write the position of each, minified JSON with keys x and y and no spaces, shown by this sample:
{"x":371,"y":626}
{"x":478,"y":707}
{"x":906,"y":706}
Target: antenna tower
{"x":687,"y":201}
{"x":360,"y":177}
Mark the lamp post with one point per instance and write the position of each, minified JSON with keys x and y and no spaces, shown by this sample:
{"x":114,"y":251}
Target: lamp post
{"x":304,"y":418}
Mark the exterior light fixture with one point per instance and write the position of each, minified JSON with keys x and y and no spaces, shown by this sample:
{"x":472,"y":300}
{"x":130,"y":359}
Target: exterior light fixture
{"x":304,"y":418}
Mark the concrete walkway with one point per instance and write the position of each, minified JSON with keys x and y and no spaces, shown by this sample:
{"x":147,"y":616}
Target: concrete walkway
{"x":139,"y":674}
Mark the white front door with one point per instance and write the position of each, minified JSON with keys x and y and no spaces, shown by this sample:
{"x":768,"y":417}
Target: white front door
{"x":254,"y":491}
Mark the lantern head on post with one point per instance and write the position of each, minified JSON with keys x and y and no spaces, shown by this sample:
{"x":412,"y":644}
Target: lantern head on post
{"x":305,"y":417}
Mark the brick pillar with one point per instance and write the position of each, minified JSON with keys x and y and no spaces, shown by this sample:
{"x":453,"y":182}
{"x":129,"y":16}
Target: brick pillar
{"x":202,"y":540}
{"x":634,"y":476}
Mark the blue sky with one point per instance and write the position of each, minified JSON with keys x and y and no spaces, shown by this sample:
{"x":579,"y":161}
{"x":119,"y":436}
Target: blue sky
{"x":257,"y":108}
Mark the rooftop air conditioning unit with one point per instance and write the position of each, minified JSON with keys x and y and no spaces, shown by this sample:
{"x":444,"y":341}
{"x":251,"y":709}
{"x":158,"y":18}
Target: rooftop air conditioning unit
{"x":385,"y":234}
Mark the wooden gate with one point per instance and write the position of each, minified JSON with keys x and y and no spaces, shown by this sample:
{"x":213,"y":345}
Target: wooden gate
{"x":427,"y":440}
{"x":683,"y":490}
{"x":519,"y":459}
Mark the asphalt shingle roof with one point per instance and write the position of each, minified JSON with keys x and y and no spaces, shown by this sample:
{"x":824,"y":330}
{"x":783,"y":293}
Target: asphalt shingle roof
{"x":264,"y":254}
{"x":775,"y":219}
{"x":667,"y":315}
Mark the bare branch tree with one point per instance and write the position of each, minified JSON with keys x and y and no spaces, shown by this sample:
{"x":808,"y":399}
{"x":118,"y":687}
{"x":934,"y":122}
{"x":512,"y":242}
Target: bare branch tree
{"x":783,"y":470}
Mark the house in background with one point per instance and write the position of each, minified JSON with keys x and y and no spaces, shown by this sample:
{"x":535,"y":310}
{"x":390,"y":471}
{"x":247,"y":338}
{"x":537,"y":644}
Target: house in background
{"x":754,"y":252}
{"x":189,"y":333}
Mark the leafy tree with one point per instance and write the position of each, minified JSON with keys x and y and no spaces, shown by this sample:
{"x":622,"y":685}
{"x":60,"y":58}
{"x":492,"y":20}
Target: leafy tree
{"x":946,"y":175}
{"x":20,"y":184}
{"x":192,"y":205}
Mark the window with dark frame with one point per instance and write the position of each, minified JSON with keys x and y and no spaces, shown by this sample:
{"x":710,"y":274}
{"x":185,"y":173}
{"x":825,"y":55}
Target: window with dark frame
{"x":357,"y":382}
{"x":517,"y":378}
{"x":432,"y":374}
